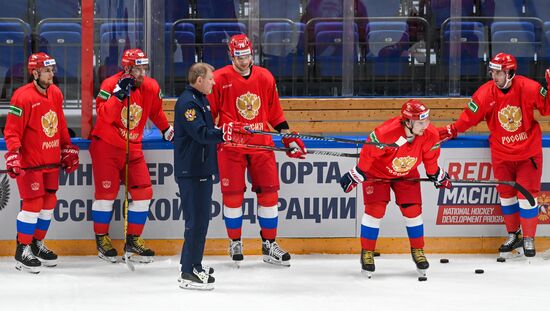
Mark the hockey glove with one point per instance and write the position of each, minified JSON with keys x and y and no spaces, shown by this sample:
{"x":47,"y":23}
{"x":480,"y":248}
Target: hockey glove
{"x":441,"y":179}
{"x":168,"y":134}
{"x":447,"y":132}
{"x":235,"y":132}
{"x":13,"y":163}
{"x":351,"y":179}
{"x":296,"y":145}
{"x":69,"y":158}
{"x":122,"y":89}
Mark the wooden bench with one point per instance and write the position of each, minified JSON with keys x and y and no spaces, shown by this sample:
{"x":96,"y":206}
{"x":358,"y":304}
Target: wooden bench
{"x":361,"y":115}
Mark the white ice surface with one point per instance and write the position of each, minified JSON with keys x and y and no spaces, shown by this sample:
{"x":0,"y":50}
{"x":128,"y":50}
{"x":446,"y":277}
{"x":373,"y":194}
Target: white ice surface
{"x":313,"y":282}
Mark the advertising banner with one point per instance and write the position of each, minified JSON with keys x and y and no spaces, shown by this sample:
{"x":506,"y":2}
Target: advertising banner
{"x":311,"y":202}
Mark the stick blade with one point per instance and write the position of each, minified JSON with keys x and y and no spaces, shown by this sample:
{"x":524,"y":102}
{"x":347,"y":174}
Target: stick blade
{"x":525,"y":193}
{"x":4,"y":192}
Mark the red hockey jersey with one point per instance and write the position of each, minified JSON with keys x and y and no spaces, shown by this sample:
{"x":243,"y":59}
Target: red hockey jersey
{"x":399,"y":162}
{"x":146,"y":102}
{"x":515,"y":134}
{"x":253,"y":101}
{"x":36,"y":124}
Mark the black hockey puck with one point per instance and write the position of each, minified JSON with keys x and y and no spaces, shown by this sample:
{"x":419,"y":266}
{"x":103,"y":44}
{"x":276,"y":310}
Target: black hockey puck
{"x":376,"y":254}
{"x":444,"y":260}
{"x":422,"y":278}
{"x":501,"y":259}
{"x":479,"y":271}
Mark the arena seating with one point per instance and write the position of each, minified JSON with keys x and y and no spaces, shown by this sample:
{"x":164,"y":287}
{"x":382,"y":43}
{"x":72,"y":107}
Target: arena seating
{"x":305,"y":54}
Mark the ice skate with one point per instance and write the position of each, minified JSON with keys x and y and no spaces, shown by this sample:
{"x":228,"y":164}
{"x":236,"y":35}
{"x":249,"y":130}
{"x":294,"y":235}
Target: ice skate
{"x":236,"y":251}
{"x":135,"y":250}
{"x":367,"y":263}
{"x":512,"y":247}
{"x":105,"y":249}
{"x":196,"y":280}
{"x":529,"y":247}
{"x":274,"y":254}
{"x":26,"y":261}
{"x":208,"y":270}
{"x":46,"y":256}
{"x":420,"y":260}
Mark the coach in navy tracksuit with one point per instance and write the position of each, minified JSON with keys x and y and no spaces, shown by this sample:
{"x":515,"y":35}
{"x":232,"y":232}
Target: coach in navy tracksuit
{"x":195,"y":163}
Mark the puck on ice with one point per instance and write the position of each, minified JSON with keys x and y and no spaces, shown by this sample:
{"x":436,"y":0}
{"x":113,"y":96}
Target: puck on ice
{"x":501,"y":259}
{"x":479,"y":271}
{"x":444,"y":260}
{"x":422,"y":278}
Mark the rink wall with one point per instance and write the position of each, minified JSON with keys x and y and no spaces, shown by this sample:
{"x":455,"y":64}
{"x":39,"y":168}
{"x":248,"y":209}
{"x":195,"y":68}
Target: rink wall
{"x":315,"y":216}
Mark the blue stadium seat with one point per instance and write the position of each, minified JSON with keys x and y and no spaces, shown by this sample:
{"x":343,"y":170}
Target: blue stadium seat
{"x":120,"y":27}
{"x":16,"y":9}
{"x":283,"y":53}
{"x":235,"y":27}
{"x":57,"y":9}
{"x":179,"y":53}
{"x":474,"y":50}
{"x":505,"y":26}
{"x":538,"y":8}
{"x":546,"y":48}
{"x":282,"y":26}
{"x":180,"y":27}
{"x":130,"y":9}
{"x":546,"y":26}
{"x":14,"y":48}
{"x":502,"y":8}
{"x":398,"y":26}
{"x":387,"y":52}
{"x":71,"y":27}
{"x":478,"y":26}
{"x":289,"y":9}
{"x":217,"y":8}
{"x":215,"y":49}
{"x":112,"y":44}
{"x":331,"y":26}
{"x":175,"y":9}
{"x":15,"y":27}
{"x":519,"y":43}
{"x":441,"y":10}
{"x":382,"y":8}
{"x":65,"y":47}
{"x":329,"y":52}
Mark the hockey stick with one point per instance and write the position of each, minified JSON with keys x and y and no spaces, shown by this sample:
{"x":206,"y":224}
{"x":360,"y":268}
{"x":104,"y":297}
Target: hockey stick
{"x":309,"y":151}
{"x":5,"y":185}
{"x":397,"y":144}
{"x":125,"y":257}
{"x":512,"y":184}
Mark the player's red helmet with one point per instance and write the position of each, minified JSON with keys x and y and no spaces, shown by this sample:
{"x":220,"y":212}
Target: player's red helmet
{"x":39,"y":60}
{"x":503,"y":61}
{"x":413,"y":109}
{"x":240,"y":45}
{"x":133,"y":57}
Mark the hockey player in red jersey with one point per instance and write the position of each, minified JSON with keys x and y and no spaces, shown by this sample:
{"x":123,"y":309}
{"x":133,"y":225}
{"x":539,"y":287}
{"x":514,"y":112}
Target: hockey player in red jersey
{"x":419,"y":141}
{"x":36,"y":135}
{"x":247,"y":93}
{"x":507,"y":104}
{"x":130,"y":88}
